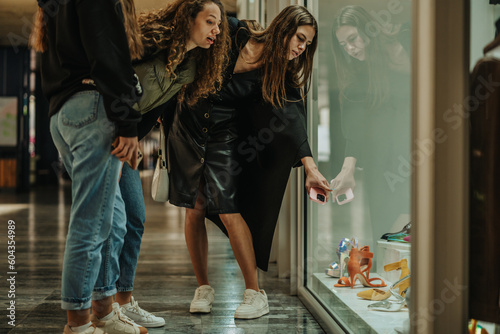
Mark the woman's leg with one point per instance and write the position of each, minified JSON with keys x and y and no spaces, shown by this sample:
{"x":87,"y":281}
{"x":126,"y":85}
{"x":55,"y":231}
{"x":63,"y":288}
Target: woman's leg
{"x":109,"y":272}
{"x":241,"y":242}
{"x":135,"y":210}
{"x":94,"y":173}
{"x":197,"y":241}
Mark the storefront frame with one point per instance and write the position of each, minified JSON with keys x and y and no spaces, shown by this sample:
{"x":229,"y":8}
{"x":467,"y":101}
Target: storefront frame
{"x":439,"y":178}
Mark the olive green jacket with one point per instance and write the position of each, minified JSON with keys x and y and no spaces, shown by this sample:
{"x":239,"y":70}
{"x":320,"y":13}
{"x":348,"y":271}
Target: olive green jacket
{"x":157,"y":85}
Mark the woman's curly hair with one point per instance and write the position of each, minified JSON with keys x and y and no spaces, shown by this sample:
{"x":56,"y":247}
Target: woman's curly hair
{"x":169,"y":29}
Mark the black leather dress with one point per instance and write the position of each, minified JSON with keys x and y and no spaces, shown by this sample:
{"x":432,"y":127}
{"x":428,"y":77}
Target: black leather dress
{"x":239,"y":149}
{"x":203,"y":147}
{"x":203,"y":140}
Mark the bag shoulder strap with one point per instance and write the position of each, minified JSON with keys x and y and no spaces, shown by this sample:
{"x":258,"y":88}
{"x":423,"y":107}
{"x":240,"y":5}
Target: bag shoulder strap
{"x":163,"y":153}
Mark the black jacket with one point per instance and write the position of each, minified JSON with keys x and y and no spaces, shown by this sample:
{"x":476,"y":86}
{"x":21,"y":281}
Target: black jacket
{"x":87,"y":41}
{"x":484,"y":193}
{"x":248,"y":150}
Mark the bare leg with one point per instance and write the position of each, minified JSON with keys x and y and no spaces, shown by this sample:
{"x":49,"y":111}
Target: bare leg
{"x":195,"y":233}
{"x":241,"y":242}
{"x":77,"y":318}
{"x":123,"y":297}
{"x":103,"y":307}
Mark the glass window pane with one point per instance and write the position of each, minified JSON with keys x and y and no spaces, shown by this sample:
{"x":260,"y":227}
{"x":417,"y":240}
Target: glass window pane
{"x":362,"y":124}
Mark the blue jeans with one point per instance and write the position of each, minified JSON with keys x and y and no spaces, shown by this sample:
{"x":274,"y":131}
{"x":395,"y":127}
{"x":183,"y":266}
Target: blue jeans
{"x":83,"y":136}
{"x":110,"y":270}
{"x":131,"y":189}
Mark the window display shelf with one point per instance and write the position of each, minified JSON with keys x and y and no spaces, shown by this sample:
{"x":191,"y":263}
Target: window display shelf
{"x":351,"y":311}
{"x":390,"y":252}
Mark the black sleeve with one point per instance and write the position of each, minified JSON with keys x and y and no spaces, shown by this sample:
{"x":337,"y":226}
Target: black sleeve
{"x":239,"y":38}
{"x":238,"y":32}
{"x":234,"y":25}
{"x":150,"y":118}
{"x":304,"y":151}
{"x":106,"y":47}
{"x":298,"y":124}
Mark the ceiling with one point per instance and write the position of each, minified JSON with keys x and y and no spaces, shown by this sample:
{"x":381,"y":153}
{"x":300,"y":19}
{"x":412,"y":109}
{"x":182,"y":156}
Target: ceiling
{"x":16,"y":17}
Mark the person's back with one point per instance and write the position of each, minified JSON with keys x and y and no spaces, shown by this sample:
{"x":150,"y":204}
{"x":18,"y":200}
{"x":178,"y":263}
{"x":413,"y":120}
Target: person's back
{"x":82,"y":54}
{"x":88,"y":79}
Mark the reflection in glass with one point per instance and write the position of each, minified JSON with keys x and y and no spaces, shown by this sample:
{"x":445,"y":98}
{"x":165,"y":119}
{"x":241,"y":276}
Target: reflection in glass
{"x":364,"y":134}
{"x":373,"y":67}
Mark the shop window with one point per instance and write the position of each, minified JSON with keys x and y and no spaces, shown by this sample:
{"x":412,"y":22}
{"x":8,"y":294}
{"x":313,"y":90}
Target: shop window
{"x":361,"y":124}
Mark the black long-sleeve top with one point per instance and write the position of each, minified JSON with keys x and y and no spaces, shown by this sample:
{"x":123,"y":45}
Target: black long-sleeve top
{"x":86,"y":40}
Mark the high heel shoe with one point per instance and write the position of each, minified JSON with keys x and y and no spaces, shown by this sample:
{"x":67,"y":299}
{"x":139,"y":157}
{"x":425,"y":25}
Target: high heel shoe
{"x":405,"y":271}
{"x":339,"y":269}
{"x":336,"y":270}
{"x":377,"y":294}
{"x":389,"y":305}
{"x":406,"y":230}
{"x":360,"y":263}
{"x":398,"y":237}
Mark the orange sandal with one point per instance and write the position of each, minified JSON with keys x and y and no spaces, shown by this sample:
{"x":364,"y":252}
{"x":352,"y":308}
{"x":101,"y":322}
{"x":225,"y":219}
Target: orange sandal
{"x":360,"y":263}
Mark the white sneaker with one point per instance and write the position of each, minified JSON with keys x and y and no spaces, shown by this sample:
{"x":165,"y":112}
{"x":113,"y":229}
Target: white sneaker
{"x":203,"y":299}
{"x":141,"y":316}
{"x":142,"y":330}
{"x":117,"y":324}
{"x":91,"y":330}
{"x":254,"y":305}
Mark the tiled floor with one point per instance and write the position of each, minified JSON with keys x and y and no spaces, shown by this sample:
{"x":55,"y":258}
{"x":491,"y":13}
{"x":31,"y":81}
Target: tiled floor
{"x":165,"y":282}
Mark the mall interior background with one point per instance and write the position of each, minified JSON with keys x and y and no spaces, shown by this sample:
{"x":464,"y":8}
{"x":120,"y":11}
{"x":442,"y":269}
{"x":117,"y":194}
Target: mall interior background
{"x":308,"y":234}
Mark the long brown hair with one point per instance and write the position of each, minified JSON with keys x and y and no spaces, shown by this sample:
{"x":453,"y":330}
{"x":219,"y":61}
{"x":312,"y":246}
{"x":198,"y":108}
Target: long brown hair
{"x":39,"y":34}
{"x":376,"y":39}
{"x":278,"y":69}
{"x":169,"y":29}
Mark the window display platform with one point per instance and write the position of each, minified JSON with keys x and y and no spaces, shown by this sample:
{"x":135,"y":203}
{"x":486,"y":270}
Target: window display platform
{"x":351,"y":311}
{"x":389,"y":252}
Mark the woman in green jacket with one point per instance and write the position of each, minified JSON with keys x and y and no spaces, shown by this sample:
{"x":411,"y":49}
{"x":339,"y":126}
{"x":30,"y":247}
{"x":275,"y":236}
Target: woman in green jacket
{"x":186,"y":46}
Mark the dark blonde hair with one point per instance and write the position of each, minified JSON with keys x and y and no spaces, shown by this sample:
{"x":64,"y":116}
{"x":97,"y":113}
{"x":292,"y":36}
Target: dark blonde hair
{"x":169,"y":29}
{"x":278,"y":69}
{"x":39,"y":34}
{"x":376,"y":39}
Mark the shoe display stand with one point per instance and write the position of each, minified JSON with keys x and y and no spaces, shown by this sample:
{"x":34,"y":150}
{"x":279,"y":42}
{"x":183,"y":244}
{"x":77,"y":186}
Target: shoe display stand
{"x":352,"y":311}
{"x":389,"y":252}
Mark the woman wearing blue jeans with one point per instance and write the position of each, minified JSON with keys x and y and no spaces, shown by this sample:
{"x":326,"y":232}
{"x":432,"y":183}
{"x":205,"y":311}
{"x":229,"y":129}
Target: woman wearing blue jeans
{"x":90,"y":84}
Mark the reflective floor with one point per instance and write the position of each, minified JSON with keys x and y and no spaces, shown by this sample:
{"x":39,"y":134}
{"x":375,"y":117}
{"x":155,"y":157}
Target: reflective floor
{"x":165,"y":282}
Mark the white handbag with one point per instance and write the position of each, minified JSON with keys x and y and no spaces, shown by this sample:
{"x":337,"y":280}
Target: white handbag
{"x":160,"y":184}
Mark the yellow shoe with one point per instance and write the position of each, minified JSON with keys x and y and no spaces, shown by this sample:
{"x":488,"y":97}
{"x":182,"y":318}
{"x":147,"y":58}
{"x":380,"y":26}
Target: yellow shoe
{"x":378,"y":294}
{"x":405,"y":271}
{"x":374,"y":294}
